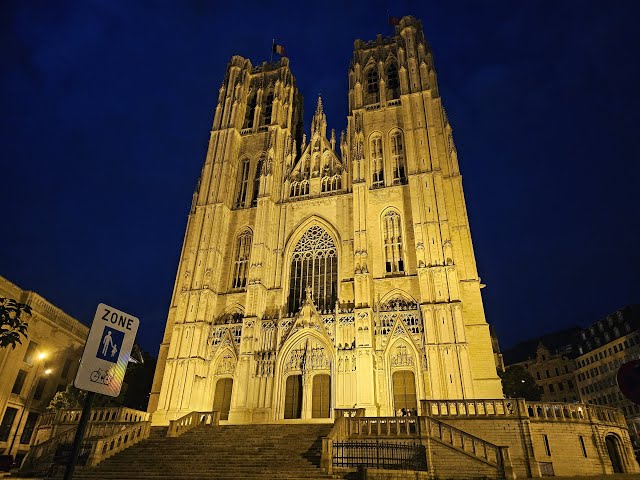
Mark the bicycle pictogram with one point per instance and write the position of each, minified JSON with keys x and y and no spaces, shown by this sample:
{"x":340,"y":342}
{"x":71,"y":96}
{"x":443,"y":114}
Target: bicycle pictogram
{"x":101,"y":376}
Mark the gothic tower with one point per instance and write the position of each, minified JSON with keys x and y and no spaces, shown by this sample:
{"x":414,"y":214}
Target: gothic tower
{"x":318,"y":274}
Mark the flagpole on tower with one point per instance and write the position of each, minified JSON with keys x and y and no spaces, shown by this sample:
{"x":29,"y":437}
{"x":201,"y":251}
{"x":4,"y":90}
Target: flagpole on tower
{"x":273,"y":44}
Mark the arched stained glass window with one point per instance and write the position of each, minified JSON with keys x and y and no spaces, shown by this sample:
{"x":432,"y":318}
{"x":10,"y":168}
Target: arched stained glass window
{"x":393,"y":253}
{"x":314,"y":264}
{"x":377,"y":166}
{"x":241,"y":264}
{"x":243,"y":180}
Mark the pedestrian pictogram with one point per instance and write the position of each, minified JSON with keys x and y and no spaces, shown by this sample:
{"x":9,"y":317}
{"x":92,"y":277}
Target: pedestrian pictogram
{"x":110,"y":345}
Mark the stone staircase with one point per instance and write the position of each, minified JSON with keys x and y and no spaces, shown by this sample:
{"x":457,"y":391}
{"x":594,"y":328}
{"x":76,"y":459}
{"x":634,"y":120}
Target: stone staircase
{"x":267,"y":451}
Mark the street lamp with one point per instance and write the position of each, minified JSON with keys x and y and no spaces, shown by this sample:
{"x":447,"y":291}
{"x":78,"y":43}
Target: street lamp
{"x":27,"y":403}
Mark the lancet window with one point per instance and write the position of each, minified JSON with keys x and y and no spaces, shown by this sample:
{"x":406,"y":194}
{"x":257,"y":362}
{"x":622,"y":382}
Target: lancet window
{"x":256,"y":183}
{"x":393,"y":248}
{"x":314,"y":264}
{"x":243,"y":181}
{"x":268,"y":109}
{"x":241,"y":264}
{"x":377,"y":166}
{"x":397,"y":158}
{"x":372,"y":85}
{"x":392,"y":83}
{"x":251,"y":110}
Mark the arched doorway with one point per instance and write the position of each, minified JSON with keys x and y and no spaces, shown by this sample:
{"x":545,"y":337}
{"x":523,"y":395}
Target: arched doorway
{"x":613,"y":448}
{"x":321,"y":396}
{"x":293,"y":397}
{"x":404,"y":391}
{"x":222,"y":397}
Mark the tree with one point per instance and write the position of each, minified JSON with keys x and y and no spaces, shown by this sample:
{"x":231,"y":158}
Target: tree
{"x":138,"y":380}
{"x":12,"y":324}
{"x":517,"y":382}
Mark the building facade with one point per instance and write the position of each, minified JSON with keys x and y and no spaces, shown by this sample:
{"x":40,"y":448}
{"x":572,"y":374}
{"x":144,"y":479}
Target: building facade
{"x":35,"y":370}
{"x":554,"y":374}
{"x":604,"y":347}
{"x":321,"y":272}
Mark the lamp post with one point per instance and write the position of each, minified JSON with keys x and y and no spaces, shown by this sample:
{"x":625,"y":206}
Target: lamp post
{"x":27,"y":403}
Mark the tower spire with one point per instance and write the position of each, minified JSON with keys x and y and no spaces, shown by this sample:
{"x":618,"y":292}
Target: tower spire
{"x":319,"y":123}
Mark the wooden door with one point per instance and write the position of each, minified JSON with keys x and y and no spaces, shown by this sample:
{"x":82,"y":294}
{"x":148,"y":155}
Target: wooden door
{"x":222,"y":398}
{"x":404,"y":391}
{"x":293,"y":397}
{"x":321,"y":397}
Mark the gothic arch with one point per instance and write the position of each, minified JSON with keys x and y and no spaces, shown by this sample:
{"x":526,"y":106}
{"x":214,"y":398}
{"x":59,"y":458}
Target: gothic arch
{"x":291,"y":244}
{"x":297,"y":340}
{"x":395,"y":293}
{"x":232,"y":308}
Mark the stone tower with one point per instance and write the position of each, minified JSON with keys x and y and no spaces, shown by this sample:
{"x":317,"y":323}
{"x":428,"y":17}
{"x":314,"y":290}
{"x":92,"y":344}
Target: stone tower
{"x":319,"y":273}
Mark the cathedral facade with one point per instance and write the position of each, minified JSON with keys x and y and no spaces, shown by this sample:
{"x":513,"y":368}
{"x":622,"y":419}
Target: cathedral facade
{"x":320,"y":272}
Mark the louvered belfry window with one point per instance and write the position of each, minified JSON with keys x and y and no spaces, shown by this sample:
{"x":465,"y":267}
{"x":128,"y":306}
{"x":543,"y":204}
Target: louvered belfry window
{"x":314,"y":264}
{"x":241,"y":265}
{"x":394,"y":262}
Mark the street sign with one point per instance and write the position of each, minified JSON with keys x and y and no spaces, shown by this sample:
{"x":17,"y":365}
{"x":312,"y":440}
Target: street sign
{"x":106,"y":353}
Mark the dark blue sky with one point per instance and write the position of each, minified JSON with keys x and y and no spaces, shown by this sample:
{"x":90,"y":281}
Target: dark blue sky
{"x":106,"y":108}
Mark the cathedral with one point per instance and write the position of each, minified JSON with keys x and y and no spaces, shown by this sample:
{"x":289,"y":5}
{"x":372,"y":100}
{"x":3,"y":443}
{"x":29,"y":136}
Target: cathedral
{"x":323,"y":271}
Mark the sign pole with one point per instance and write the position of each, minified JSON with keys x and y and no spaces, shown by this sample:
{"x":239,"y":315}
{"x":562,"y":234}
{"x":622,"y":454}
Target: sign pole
{"x":79,"y":436}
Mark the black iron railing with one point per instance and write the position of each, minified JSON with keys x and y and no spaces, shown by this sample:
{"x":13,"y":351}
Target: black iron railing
{"x":387,"y":455}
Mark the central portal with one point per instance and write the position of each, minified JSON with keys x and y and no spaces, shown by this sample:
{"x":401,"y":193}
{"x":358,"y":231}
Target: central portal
{"x":293,"y":397}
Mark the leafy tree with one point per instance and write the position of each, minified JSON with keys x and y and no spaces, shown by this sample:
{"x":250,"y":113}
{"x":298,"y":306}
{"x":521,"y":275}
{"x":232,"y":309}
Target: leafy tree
{"x":517,"y":382}
{"x":73,"y":398}
{"x":12,"y":323}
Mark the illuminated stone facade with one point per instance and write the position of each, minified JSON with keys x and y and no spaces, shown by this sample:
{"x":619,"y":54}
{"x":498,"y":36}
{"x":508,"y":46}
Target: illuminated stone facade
{"x":321,"y":272}
{"x":31,"y":373}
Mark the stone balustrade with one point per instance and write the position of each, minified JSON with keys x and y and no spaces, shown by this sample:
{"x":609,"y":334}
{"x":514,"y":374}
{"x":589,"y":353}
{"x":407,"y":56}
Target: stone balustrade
{"x":105,"y":447}
{"x":191,"y":420}
{"x":520,"y":408}
{"x":348,"y":412}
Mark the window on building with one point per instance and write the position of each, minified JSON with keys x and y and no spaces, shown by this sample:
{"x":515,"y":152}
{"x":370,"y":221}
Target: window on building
{"x":582,"y":446}
{"x":557,"y":371}
{"x":561,"y":386}
{"x":372,"y":84}
{"x":547,"y":372}
{"x":393,"y":83}
{"x":566,"y":369}
{"x":538,"y":375}
{"x":19,"y":383}
{"x":250,"y":112}
{"x":40,"y":386}
{"x":243,"y":183}
{"x":241,"y":264}
{"x":547,"y":449}
{"x":551,"y":389}
{"x":397,"y":158}
{"x":29,"y":426}
{"x":268,"y":109}
{"x":7,"y":423}
{"x":65,"y":368}
{"x":377,"y":162}
{"x":256,"y":183}
{"x":393,"y":253}
{"x":30,"y":354}
{"x":570,"y":383}
{"x":314,"y":264}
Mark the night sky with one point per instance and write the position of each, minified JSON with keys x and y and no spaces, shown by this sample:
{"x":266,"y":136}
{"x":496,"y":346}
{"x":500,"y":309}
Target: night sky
{"x":106,"y":108}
